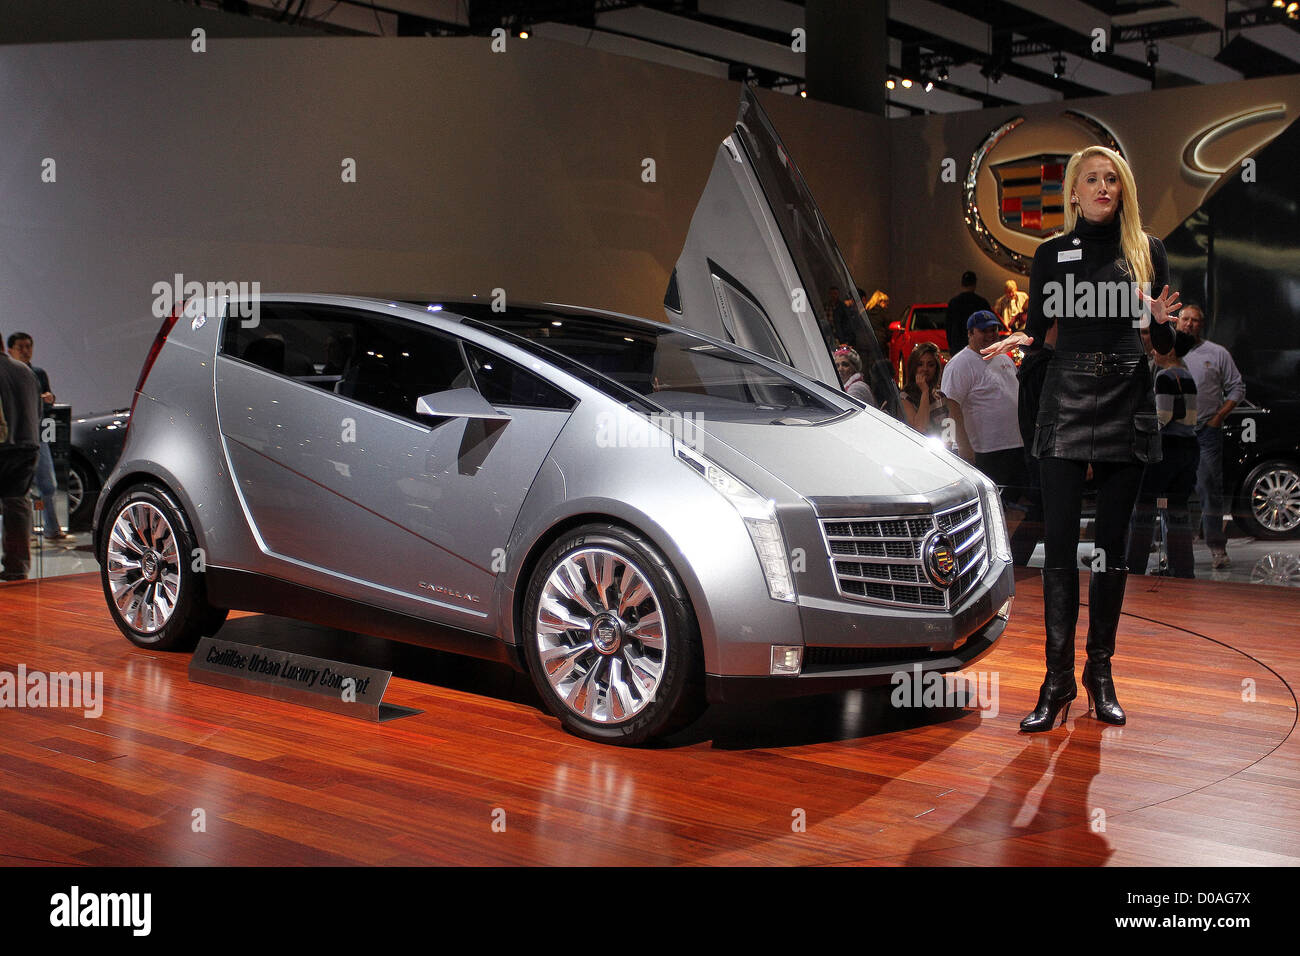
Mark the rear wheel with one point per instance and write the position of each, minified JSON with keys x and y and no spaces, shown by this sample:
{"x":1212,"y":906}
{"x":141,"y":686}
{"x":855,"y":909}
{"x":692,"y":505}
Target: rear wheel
{"x":610,"y":637}
{"x":146,"y":560}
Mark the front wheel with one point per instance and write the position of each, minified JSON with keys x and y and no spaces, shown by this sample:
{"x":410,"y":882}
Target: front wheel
{"x":611,"y":639}
{"x":146,"y":560}
{"x":1271,"y":499}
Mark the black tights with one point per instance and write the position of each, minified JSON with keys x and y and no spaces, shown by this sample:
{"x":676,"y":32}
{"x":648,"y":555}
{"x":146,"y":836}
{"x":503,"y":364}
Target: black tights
{"x":1117,"y":491}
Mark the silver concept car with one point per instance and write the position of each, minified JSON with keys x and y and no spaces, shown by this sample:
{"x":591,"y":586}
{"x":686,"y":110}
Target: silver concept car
{"x":641,"y":516}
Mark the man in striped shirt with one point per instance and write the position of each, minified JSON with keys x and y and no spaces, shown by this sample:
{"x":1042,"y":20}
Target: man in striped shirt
{"x":1174,"y":476}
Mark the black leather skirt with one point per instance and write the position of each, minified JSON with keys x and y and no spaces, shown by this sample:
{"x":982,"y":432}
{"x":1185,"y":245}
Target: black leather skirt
{"x":1096,"y":406}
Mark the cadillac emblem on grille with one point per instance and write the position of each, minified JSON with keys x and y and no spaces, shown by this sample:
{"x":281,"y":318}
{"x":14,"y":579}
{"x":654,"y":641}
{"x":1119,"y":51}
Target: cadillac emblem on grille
{"x":940,"y":559}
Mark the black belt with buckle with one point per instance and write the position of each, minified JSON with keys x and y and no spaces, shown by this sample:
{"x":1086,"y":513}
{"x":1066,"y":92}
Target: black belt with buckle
{"x":1098,"y":363}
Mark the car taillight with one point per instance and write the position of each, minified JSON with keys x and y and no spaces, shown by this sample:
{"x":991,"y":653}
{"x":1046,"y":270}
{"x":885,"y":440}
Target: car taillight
{"x":154,"y":349}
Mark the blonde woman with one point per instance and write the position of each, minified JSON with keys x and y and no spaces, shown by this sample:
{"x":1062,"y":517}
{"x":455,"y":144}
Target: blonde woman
{"x":1096,"y":280}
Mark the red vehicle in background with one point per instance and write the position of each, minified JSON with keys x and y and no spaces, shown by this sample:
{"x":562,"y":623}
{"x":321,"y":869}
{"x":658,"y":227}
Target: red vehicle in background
{"x":921,"y":323}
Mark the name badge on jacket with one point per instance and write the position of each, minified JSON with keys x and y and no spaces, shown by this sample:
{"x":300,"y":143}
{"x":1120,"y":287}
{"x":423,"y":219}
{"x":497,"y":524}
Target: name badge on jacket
{"x":1069,"y":255}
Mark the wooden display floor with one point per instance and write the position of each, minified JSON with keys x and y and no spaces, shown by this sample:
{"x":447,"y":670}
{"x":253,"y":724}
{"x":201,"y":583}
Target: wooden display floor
{"x":1202,"y":775}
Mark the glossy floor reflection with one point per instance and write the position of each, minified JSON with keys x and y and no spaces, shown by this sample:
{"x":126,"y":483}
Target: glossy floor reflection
{"x":1203,"y":773}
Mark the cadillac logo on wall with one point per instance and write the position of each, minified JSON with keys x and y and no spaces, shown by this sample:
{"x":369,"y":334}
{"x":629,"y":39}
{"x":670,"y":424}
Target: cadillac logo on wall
{"x":1030,"y":196}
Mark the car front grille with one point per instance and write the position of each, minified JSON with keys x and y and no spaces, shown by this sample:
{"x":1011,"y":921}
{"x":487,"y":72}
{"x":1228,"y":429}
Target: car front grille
{"x":882,"y":560}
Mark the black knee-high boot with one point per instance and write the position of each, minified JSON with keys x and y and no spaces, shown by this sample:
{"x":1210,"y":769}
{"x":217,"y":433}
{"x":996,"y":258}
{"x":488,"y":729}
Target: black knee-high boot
{"x":1060,"y":615}
{"x":1105,"y":598}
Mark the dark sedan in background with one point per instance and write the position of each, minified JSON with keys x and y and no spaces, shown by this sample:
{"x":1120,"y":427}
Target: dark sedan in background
{"x":1261,"y":468}
{"x":97,"y":442}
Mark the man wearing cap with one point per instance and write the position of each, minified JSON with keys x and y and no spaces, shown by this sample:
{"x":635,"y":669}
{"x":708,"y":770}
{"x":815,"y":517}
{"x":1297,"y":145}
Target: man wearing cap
{"x":983,"y":399}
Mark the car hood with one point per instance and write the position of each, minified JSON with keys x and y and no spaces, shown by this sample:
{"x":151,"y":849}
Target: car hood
{"x":850,"y":460}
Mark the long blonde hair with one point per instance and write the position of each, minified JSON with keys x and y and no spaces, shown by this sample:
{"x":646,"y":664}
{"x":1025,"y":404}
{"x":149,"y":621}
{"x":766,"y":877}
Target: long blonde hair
{"x":1133,"y":241}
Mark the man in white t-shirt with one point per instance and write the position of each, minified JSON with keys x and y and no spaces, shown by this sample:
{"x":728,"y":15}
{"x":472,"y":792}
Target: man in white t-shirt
{"x":983,"y":399}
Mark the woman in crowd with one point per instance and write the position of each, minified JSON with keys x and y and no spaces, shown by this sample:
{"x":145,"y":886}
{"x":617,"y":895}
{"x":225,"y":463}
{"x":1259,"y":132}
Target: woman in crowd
{"x":848,"y":365}
{"x":924,"y":406}
{"x":1097,"y":407}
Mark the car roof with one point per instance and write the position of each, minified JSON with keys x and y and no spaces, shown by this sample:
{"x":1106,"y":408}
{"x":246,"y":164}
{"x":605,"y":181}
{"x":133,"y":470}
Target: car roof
{"x":451,"y":308}
{"x":457,"y":309}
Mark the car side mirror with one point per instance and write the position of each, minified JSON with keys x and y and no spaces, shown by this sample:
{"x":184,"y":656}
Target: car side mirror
{"x":459,"y":403}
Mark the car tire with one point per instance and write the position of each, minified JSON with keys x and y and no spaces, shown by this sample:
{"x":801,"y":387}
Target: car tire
{"x":83,"y":490}
{"x":156,"y":597}
{"x":1271,"y":485}
{"x":607,"y":668}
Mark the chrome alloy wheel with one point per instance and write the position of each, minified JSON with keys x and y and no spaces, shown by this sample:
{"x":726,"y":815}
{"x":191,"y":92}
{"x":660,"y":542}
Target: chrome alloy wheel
{"x":601,"y":635}
{"x":1275,"y":499}
{"x":143,"y":567}
{"x":76,"y":490}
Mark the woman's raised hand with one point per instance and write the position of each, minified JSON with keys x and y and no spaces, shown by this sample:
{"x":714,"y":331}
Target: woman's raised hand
{"x":1165,"y":307}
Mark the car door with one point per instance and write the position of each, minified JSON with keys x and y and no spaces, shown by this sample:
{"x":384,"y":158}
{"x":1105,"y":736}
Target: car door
{"x":353,"y":490}
{"x":759,"y":263}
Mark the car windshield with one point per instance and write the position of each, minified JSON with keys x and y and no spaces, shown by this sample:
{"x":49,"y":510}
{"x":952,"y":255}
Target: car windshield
{"x":673,"y":369}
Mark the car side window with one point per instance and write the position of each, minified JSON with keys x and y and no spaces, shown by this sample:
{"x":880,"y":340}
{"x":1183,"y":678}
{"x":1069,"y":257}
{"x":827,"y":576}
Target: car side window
{"x":929,"y":319}
{"x":377,"y":360}
{"x":503,"y":382}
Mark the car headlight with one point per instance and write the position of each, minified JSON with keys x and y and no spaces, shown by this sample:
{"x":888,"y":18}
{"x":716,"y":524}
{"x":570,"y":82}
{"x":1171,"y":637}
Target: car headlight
{"x":994,"y":519}
{"x":759,"y":515}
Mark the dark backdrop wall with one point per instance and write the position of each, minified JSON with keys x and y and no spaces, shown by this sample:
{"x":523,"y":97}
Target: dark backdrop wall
{"x":474,"y":170}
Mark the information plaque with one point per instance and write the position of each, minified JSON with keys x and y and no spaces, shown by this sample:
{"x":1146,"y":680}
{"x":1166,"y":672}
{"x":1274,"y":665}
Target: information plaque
{"x":348,"y":689}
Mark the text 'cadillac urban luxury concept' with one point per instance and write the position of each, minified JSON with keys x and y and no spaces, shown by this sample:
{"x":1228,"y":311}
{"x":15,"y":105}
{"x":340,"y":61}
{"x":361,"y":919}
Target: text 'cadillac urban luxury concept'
{"x":642,"y":516}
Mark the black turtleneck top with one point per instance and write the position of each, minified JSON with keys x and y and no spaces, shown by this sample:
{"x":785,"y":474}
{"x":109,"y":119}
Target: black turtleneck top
{"x":1086,"y":265}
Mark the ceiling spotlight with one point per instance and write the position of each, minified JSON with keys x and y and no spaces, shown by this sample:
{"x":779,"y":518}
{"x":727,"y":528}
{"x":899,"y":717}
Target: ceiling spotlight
{"x":929,"y":85}
{"x":1058,"y":66}
{"x":889,"y":83}
{"x":943,"y":72}
{"x":804,"y":94}
{"x":1279,"y":3}
{"x":523,"y":34}
{"x":1292,"y":9}
{"x":907,"y":84}
{"x":1153,"y":54}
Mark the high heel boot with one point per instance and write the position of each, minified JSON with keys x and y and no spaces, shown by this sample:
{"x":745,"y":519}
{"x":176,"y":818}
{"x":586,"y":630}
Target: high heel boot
{"x":1105,"y":598}
{"x":1060,"y":615}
